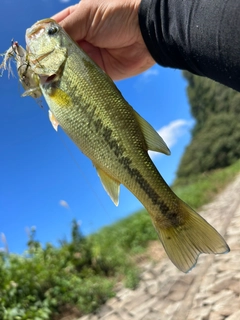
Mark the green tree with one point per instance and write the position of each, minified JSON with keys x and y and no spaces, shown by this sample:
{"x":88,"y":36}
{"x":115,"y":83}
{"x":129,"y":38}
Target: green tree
{"x":216,"y":135}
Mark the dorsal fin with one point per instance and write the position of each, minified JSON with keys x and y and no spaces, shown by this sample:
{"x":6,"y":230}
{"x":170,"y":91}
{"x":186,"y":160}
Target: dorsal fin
{"x":153,"y":140}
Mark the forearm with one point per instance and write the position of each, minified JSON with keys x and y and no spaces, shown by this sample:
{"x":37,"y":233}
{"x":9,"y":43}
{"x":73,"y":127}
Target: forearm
{"x":201,"y":36}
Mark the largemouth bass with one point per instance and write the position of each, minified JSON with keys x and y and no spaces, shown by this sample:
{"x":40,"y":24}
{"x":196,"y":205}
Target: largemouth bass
{"x":85,"y":102}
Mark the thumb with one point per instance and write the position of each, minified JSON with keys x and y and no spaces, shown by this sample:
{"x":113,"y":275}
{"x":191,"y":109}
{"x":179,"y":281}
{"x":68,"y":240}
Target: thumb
{"x":74,"y":20}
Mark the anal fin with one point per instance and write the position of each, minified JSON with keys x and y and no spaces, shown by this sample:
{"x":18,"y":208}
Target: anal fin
{"x":111,"y":185}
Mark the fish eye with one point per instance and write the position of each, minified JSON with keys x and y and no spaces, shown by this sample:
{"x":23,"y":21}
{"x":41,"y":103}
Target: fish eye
{"x":52,"y":30}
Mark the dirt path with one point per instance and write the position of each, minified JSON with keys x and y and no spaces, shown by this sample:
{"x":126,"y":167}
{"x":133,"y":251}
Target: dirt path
{"x":211,"y":291}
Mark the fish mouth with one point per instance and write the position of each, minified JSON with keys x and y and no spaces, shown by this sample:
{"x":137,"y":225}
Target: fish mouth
{"x":38,"y":53}
{"x":33,"y":33}
{"x":36,"y":30}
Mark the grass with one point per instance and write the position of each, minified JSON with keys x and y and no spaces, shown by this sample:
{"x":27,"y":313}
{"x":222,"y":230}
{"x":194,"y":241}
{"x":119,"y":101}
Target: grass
{"x":201,"y":189}
{"x":81,"y":275}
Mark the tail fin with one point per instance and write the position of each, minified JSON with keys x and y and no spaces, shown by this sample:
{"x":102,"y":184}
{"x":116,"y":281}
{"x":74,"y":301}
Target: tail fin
{"x":183,"y":244}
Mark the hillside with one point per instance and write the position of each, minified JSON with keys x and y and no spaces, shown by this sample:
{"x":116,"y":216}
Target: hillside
{"x":78,"y":277}
{"x":211,"y":291}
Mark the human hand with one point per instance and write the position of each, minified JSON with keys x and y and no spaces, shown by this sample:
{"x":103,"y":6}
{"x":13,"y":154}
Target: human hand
{"x":108,"y":31}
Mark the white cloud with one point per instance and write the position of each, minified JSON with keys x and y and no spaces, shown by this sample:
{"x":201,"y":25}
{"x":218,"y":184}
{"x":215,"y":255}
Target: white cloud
{"x":172,"y":132}
{"x":148,"y":74}
{"x":64,"y":204}
{"x":65,"y":1}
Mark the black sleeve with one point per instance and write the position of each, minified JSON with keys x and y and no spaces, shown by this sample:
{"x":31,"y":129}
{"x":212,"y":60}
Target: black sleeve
{"x":201,"y":36}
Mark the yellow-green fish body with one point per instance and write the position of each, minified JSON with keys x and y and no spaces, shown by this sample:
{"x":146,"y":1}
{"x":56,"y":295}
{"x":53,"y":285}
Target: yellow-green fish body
{"x":91,"y":110}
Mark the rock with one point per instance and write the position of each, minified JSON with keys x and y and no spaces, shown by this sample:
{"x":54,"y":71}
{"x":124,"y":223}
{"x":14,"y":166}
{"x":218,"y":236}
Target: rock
{"x":216,"y":316}
{"x":153,"y":289}
{"x":125,"y":315}
{"x":235,"y":287}
{"x":144,"y":306}
{"x":222,"y":284}
{"x":122,"y":294}
{"x":171,"y":309}
{"x":208,"y":281}
{"x":113,"y":301}
{"x":104,"y":310}
{"x":227,"y":306}
{"x":214,"y":298}
{"x":177,"y":295}
{"x":87,"y":317}
{"x":234,"y":316}
{"x":187,"y":278}
{"x":147,"y":275}
{"x":153,"y":316}
{"x":113,"y":316}
{"x":199,"y":313}
{"x":138,"y":300}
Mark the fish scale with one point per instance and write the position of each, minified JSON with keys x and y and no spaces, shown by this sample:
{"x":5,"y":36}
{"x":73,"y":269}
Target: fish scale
{"x":104,"y":132}
{"x":85,"y":102}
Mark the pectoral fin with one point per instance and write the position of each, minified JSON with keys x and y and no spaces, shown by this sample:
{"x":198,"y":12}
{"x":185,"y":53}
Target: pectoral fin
{"x":111,"y":185}
{"x":33,"y":92}
{"x":53,"y":120}
{"x":153,"y":140}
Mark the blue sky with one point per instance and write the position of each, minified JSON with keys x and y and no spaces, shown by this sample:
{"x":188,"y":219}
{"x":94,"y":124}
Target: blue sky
{"x":45,"y":181}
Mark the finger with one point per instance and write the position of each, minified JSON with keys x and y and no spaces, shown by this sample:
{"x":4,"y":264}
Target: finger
{"x":76,"y":23}
{"x":58,"y":17}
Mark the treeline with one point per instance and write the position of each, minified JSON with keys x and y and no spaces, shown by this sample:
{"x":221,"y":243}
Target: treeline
{"x":216,"y":135}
